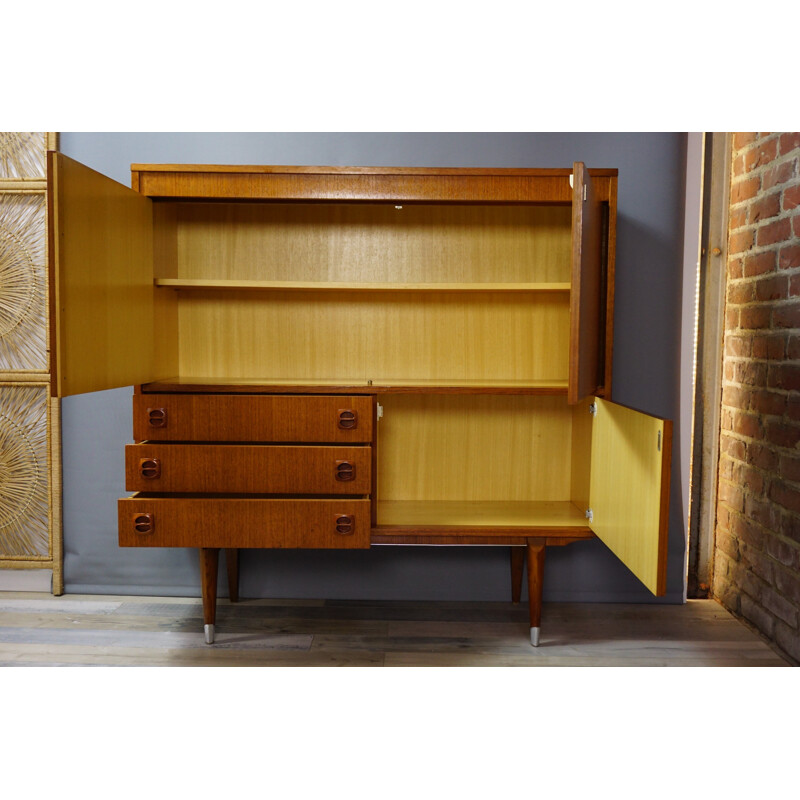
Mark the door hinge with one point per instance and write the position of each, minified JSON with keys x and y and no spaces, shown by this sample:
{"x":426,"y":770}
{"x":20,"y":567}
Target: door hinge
{"x":659,"y":441}
{"x":380,"y":411}
{"x":593,"y":409}
{"x":572,"y":185}
{"x":590,"y":515}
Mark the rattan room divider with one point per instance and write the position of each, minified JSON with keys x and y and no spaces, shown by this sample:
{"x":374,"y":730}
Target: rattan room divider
{"x":30,"y":464}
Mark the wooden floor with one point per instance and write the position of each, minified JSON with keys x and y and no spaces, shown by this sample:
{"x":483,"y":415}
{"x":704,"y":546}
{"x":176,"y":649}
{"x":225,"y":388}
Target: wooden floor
{"x":92,"y":630}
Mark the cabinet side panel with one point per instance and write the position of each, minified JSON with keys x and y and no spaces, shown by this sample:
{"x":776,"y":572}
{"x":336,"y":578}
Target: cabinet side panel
{"x":102,"y":280}
{"x":629,"y":491}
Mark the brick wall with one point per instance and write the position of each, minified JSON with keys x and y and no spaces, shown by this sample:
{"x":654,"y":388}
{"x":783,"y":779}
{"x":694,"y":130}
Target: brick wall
{"x":757,"y":557}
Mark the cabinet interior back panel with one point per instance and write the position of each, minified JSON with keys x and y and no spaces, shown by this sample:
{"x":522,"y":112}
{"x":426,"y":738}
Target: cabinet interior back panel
{"x":489,"y":338}
{"x":474,"y":448}
{"x":373,"y":242}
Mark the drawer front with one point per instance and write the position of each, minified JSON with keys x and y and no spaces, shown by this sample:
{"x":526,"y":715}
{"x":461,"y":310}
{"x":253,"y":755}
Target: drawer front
{"x":252,"y":418}
{"x":248,"y":469}
{"x":146,"y":521}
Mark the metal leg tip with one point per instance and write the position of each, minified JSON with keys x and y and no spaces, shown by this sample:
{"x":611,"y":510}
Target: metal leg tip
{"x":535,"y":637}
{"x":209,"y":629}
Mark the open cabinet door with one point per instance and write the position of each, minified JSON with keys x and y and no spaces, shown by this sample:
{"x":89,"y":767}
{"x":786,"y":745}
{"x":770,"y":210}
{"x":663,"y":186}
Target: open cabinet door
{"x":585,"y":338}
{"x":101,"y":280}
{"x":629,"y":489}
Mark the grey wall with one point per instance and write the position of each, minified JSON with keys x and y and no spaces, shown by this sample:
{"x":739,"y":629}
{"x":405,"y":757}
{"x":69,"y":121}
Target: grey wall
{"x":646,"y":373}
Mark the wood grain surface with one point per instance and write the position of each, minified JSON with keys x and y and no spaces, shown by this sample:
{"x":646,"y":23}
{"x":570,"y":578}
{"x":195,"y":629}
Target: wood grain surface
{"x":530,"y":516}
{"x":228,"y":385}
{"x":387,"y":184}
{"x":223,"y":284}
{"x":474,"y":447}
{"x":251,"y":418}
{"x":373,"y":243}
{"x":248,"y":469}
{"x":586,"y":333}
{"x":344,"y":337}
{"x":192,"y":521}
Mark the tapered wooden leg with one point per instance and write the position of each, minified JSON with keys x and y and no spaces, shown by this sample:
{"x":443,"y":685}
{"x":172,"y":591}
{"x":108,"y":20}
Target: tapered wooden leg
{"x":535,"y":583}
{"x":517,"y":567}
{"x":232,"y":564}
{"x":209,"y":564}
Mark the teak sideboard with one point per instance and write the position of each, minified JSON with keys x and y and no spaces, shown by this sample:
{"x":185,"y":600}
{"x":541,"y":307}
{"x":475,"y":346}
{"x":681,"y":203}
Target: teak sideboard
{"x":350,"y":357}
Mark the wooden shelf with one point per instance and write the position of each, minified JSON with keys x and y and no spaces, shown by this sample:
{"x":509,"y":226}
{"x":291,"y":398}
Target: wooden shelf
{"x":478,"y":522}
{"x":342,"y":386}
{"x":189,"y":284}
{"x":470,"y":514}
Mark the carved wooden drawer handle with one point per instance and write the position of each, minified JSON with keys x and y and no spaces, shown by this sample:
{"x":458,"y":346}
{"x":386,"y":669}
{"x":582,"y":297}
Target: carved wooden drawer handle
{"x":348,"y":419}
{"x":150,"y":468}
{"x":345,"y":471}
{"x":345,"y":523}
{"x":157,"y":417}
{"x":143,"y":523}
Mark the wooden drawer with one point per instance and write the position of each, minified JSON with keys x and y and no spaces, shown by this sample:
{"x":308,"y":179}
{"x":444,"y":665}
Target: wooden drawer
{"x":248,"y":469}
{"x":191,"y":521}
{"x":252,"y":418}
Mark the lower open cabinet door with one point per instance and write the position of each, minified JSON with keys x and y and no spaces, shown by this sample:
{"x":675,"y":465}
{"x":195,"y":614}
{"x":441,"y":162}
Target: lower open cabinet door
{"x":629,"y":489}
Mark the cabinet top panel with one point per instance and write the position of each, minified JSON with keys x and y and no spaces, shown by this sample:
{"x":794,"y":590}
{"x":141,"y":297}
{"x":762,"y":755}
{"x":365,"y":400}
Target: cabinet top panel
{"x":271,"y":168}
{"x":362,"y":184}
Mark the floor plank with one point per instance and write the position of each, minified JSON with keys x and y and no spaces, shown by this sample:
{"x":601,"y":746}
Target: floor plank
{"x":88,"y":630}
